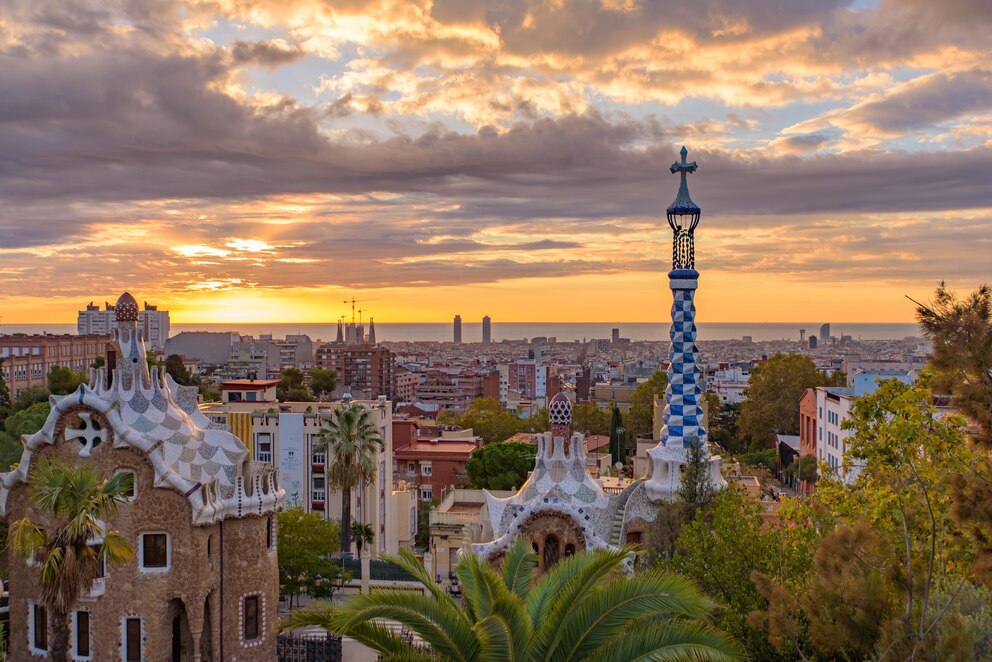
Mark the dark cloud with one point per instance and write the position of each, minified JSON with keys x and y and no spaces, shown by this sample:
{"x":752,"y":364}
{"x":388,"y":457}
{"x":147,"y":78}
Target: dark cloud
{"x":271,"y":54}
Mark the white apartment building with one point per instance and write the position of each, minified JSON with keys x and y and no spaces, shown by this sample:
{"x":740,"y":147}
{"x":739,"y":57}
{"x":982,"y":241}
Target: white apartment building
{"x":153,"y":324}
{"x":833,"y":407}
{"x":730,"y":383}
{"x":284,"y":435}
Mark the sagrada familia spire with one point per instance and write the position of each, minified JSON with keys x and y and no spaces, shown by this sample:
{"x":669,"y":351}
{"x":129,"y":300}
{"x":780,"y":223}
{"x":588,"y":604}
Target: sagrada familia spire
{"x":683,"y":395}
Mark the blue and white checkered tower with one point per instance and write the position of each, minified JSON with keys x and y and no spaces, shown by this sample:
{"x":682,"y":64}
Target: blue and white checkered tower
{"x":683,"y":395}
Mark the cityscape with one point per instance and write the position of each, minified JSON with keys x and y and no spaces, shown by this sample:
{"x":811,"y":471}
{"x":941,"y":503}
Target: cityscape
{"x":420,"y":331}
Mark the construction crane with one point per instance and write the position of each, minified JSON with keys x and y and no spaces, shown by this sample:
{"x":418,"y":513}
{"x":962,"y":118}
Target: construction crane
{"x":360,"y":311}
{"x":353,"y":301}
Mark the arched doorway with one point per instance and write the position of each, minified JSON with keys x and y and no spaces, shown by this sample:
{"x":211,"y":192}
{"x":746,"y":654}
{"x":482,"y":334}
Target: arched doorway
{"x":552,"y":552}
{"x":182,"y":639}
{"x":553,"y":536}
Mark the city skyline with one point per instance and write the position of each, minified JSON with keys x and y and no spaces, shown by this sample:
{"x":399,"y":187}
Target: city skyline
{"x":237,"y":162}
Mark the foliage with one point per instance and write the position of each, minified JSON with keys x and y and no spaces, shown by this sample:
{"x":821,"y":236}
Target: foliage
{"x":961,"y":332}
{"x":363,"y":535}
{"x":62,"y":380}
{"x":176,"y":368}
{"x":584,"y":608}
{"x":99,"y":362}
{"x":804,"y":468}
{"x":835,"y":378}
{"x":29,"y":396}
{"x":773,"y":393}
{"x":5,"y":402}
{"x":767,"y":459}
{"x":618,"y":438}
{"x":305,"y":542}
{"x":723,"y":423}
{"x":75,"y":499}
{"x":351,"y":442}
{"x":501,"y":466}
{"x":22,"y":422}
{"x":323,"y":381}
{"x":640,"y":418}
{"x":489,"y":422}
{"x":724,"y":545}
{"x":590,"y":418}
{"x":291,"y":387}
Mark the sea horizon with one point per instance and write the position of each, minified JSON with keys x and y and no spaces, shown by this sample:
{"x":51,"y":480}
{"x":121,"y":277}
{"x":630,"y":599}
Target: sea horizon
{"x":562,"y":331}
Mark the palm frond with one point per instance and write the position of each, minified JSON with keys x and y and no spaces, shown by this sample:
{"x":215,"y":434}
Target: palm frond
{"x":24,"y":539}
{"x":495,"y":640}
{"x":675,"y":641}
{"x":518,"y":568}
{"x":116,"y":548}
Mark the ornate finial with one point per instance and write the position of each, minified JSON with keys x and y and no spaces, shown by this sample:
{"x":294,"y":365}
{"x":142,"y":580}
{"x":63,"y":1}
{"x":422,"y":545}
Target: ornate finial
{"x":683,"y":216}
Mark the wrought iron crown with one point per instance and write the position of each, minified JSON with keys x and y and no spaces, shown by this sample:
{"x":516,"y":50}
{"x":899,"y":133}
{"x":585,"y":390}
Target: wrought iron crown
{"x":683,"y":217}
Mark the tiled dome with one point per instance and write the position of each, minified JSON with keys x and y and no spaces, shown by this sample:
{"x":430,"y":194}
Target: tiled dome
{"x":560,"y":410}
{"x":126,"y":308}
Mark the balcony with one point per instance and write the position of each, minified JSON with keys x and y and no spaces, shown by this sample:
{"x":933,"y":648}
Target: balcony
{"x":317,"y":505}
{"x":317,"y":467}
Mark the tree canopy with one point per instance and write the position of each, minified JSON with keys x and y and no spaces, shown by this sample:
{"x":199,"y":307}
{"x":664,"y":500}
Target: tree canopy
{"x":590,"y":418}
{"x":500,"y":466}
{"x":291,"y":387}
{"x":773,"y":392}
{"x":640,"y":418}
{"x":305,"y":542}
{"x":62,"y":380}
{"x":489,"y":422}
{"x":22,"y":422}
{"x":323,"y":381}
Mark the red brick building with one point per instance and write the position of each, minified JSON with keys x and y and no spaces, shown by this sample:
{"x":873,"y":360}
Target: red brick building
{"x":807,"y":428}
{"x":27,"y":359}
{"x":430,"y":460}
{"x":365,"y":371}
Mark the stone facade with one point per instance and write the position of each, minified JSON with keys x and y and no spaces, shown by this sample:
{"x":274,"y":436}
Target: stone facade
{"x":219,"y":528}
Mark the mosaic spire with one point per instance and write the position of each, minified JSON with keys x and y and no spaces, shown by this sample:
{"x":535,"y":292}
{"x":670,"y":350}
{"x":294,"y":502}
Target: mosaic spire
{"x":683,"y":395}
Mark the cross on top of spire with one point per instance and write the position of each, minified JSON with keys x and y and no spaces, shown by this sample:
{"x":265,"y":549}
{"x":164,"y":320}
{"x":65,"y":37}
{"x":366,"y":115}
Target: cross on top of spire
{"x":683,"y":202}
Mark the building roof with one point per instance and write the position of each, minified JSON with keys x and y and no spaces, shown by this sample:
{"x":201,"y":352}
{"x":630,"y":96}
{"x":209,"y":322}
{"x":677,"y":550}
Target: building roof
{"x":790,"y":440}
{"x":596,"y":441}
{"x":444,"y":449}
{"x":249,"y":384}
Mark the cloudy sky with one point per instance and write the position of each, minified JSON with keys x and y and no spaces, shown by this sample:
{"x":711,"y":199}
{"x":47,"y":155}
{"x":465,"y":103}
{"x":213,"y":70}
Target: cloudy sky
{"x":263,"y":160}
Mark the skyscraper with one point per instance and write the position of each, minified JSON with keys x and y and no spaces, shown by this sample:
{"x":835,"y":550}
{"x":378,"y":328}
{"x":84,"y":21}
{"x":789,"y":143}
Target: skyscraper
{"x":458,"y":329}
{"x":825,"y":331}
{"x":487,"y":330}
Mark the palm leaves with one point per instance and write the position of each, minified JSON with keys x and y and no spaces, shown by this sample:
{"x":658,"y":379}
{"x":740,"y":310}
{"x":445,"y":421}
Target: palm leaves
{"x":584,"y":608}
{"x":363,"y":535}
{"x":69,"y":553}
{"x":351,"y":442}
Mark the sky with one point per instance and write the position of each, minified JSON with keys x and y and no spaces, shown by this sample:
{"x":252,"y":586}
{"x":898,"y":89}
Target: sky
{"x":264,"y":160}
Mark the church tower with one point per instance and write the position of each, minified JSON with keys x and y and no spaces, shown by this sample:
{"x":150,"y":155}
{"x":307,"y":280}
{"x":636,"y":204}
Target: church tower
{"x":683,"y":396}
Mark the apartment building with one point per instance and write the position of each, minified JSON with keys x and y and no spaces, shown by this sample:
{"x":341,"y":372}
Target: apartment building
{"x":450,"y":388}
{"x":27,"y":359}
{"x":153,"y":324}
{"x":364,"y":371}
{"x":430,"y":458}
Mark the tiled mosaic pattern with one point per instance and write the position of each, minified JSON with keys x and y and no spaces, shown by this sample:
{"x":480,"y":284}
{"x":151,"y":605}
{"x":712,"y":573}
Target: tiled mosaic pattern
{"x":683,"y":412}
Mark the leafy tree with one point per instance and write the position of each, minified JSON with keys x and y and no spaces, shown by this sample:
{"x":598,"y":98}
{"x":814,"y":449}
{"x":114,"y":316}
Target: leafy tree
{"x":29,"y":396}
{"x":487,"y":420}
{"x":723,"y":423}
{"x":62,"y":380}
{"x":724,"y":545}
{"x":773,"y":393}
{"x":305,"y":541}
{"x":74,"y":500}
{"x":836,"y":378}
{"x":618,"y":449}
{"x":323,"y":381}
{"x":640,"y":418}
{"x":961,"y":332}
{"x":501,"y":466}
{"x":5,"y":402}
{"x":176,"y":368}
{"x":22,"y":422}
{"x":591,"y":419}
{"x":363,"y":535}
{"x":351,"y":442}
{"x":99,"y":362}
{"x":584,"y":608}
{"x":291,"y":381}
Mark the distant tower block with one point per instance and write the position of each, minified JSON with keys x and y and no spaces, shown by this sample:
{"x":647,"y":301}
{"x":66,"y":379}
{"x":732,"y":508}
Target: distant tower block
{"x":487,"y":330}
{"x":371,"y":331}
{"x":616,"y":335}
{"x":458,"y":329}
{"x":825,"y":331}
{"x":812,"y":342}
{"x":802,"y":336}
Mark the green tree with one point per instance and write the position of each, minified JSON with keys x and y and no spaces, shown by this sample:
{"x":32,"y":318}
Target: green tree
{"x":176,"y":368}
{"x":74,"y":500}
{"x":500,"y":466}
{"x":362,"y":534}
{"x":961,"y":332}
{"x":62,"y":380}
{"x":591,"y":419}
{"x":304,"y":541}
{"x":618,"y":438}
{"x":723,"y":423}
{"x":99,"y":362}
{"x":29,"y":396}
{"x":291,"y":386}
{"x":323,"y":381}
{"x":488,"y":421}
{"x":773,"y":392}
{"x":20,"y":423}
{"x":351,"y":442}
{"x":640,"y":418}
{"x":584,"y":608}
{"x":721,"y":549}
{"x":5,"y":403}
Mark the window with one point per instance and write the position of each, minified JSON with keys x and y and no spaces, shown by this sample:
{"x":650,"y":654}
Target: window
{"x":269,"y":524}
{"x":319,"y":491}
{"x":251,"y":617}
{"x":132,"y":640}
{"x":154,"y":551}
{"x":263,"y":447}
{"x":410,"y":466}
{"x":425,"y":469}
{"x":39,"y":628}
{"x":134,"y":483}
{"x":81,"y":644}
{"x":426,"y":492}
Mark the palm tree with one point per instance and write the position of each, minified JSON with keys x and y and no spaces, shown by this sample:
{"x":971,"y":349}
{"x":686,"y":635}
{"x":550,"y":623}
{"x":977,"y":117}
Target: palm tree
{"x":363,"y":535}
{"x":350,"y":443}
{"x":73,"y":501}
{"x":584,"y":608}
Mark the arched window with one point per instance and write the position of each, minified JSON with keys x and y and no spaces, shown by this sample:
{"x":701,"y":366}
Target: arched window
{"x":552,"y":552}
{"x":569,"y":550}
